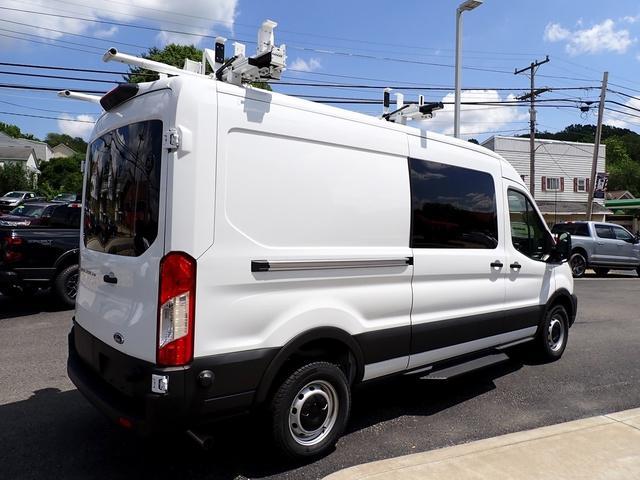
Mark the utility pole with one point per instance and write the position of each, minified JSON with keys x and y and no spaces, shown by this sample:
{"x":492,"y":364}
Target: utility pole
{"x":596,"y":146}
{"x":532,"y":120}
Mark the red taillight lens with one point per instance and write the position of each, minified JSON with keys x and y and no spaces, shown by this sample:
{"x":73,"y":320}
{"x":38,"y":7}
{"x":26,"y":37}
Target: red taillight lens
{"x":11,"y":255}
{"x":176,"y":309}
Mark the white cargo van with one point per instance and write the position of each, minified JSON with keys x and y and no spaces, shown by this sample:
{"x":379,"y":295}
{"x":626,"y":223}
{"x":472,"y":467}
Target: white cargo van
{"x":242,"y":248}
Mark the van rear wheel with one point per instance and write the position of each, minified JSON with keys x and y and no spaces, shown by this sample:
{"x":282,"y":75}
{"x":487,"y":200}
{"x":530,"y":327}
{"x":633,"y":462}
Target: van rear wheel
{"x":553,"y":334}
{"x":310,"y":409}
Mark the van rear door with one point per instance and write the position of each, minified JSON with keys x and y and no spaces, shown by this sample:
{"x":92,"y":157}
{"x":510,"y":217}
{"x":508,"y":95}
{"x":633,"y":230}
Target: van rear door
{"x":122,"y":238}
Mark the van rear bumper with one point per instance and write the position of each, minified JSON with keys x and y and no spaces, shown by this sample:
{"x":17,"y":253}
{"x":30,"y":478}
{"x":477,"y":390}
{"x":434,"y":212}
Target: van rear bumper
{"x":120,"y":385}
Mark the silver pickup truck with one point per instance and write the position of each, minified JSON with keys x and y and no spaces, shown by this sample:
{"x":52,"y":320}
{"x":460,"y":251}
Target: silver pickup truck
{"x":600,"y":246}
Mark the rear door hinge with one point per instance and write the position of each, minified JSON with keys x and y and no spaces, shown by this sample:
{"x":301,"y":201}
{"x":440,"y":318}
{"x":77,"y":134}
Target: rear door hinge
{"x":171,"y":139}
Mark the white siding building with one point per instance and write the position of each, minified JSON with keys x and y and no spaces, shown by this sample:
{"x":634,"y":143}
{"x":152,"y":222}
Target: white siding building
{"x":562,"y":174}
{"x":42,"y":151}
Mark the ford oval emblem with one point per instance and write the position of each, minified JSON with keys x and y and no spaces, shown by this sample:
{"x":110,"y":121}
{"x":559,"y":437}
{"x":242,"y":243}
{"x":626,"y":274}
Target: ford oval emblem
{"x":118,"y":338}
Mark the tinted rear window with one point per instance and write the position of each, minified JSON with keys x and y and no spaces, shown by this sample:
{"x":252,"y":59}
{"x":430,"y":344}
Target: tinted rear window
{"x":123,"y":189}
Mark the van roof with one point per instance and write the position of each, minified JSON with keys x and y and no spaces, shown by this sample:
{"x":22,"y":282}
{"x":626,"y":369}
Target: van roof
{"x":310,"y":106}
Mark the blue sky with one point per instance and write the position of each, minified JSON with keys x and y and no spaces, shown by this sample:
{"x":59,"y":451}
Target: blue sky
{"x":412,"y":44}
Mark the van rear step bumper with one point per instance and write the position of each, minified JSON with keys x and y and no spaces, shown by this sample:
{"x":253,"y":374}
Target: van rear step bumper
{"x":120,"y":385}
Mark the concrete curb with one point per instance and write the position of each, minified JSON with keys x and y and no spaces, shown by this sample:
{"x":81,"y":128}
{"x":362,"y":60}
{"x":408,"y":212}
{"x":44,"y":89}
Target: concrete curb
{"x":603,"y":447}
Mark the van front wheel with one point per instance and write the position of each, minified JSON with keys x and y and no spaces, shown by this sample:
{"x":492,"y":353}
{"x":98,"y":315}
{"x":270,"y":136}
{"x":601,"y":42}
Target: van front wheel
{"x":310,"y":409}
{"x":553,"y":334}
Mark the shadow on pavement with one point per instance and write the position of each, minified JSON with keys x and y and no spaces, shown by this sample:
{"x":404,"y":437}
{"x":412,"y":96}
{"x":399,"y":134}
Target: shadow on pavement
{"x":56,"y":434}
{"x":20,"y":306}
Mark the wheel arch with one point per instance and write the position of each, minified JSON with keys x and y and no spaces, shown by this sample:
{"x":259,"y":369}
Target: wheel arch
{"x":69,"y":257}
{"x":562,"y":297}
{"x":322,"y":342}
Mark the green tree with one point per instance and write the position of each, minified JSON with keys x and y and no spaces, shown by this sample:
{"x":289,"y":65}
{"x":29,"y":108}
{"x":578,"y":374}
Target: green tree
{"x":173,"y":54}
{"x":13,"y":176}
{"x":624,"y":172}
{"x":76,"y":143}
{"x":15,"y":132}
{"x":61,"y":175}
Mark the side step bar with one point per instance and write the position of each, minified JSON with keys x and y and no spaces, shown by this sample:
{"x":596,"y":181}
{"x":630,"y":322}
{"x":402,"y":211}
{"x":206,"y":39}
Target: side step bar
{"x":465,"y":367}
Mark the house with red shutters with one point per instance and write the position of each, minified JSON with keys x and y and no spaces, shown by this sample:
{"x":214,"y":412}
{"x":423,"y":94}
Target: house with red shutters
{"x":562,"y":175}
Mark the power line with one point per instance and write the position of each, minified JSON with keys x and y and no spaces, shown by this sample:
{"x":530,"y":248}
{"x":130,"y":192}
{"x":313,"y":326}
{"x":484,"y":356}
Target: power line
{"x":42,"y":75}
{"x":73,"y":34}
{"x":295,"y":47}
{"x":47,"y":89}
{"x":46,"y":117}
{"x":44,"y":109}
{"x":47,"y":44}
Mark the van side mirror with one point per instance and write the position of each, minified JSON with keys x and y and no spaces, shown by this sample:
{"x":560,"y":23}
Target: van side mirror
{"x":561,"y":251}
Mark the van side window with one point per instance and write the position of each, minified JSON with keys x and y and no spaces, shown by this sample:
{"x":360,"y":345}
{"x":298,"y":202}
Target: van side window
{"x":528,"y":234}
{"x":452,"y":207}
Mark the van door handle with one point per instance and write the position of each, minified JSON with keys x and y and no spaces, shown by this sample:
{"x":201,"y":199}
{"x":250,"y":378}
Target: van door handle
{"x":110,"y":278}
{"x":515,"y":266}
{"x":497,"y":264}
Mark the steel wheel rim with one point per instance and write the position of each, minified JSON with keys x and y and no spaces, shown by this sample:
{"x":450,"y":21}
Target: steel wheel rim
{"x":578,"y":265}
{"x":556,"y":334}
{"x":71,"y":286}
{"x":313,"y":413}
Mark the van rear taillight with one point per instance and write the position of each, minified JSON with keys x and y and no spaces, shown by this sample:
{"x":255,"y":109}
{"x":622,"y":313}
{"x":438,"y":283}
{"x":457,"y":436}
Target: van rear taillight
{"x":176,"y":309}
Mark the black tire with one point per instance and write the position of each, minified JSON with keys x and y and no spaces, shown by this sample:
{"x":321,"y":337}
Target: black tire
{"x":601,"y":272}
{"x":578,"y":264}
{"x":66,"y":285}
{"x":320,"y":388}
{"x":553,"y":335}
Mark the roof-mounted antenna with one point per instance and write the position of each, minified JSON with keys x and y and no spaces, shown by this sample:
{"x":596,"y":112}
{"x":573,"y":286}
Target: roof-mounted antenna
{"x":79,"y":96}
{"x":267,"y":64}
{"x":411,"y":111}
{"x":386,"y":101}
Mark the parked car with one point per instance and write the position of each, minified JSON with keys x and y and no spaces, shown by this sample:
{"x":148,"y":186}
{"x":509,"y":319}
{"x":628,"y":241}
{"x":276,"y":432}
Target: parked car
{"x":600,"y":246}
{"x":67,"y":197}
{"x":245,"y":249}
{"x":40,"y":257}
{"x":28,"y":214}
{"x":10,"y":200}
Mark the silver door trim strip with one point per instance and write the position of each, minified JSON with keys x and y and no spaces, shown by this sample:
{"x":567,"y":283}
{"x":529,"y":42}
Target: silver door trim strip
{"x":292,"y":265}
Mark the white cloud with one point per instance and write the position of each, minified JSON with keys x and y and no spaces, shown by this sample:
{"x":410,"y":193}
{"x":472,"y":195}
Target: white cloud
{"x":554,"y":32}
{"x":156,"y":13}
{"x":476,"y":118}
{"x":80,"y":128}
{"x":302,"y":65}
{"x":631,"y":19}
{"x":107,"y":32}
{"x":602,"y":37}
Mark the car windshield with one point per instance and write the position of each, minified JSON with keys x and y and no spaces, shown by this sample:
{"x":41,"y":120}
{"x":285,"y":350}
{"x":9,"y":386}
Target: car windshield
{"x":70,"y":197}
{"x":14,"y":195}
{"x":32,"y":211}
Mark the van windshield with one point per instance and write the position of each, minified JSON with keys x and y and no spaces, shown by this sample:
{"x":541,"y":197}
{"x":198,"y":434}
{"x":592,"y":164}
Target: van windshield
{"x":122,"y":194}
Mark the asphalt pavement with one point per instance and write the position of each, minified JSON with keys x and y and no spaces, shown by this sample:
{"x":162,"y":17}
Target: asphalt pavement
{"x":48,"y":430}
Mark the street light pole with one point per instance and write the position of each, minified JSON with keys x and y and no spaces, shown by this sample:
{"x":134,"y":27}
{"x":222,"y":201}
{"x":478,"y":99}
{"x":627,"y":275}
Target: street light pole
{"x":464,"y":7}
